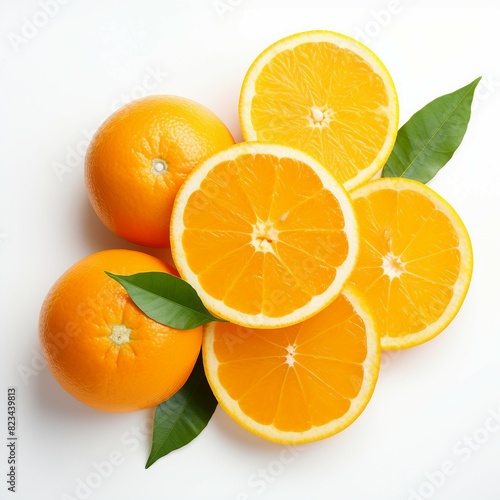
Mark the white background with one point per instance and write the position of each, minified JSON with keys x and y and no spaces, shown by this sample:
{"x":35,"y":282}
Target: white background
{"x":433,"y":405}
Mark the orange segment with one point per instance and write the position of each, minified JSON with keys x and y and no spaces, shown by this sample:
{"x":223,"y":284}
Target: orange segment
{"x":326,"y":247}
{"x":415,"y":261}
{"x":214,"y":276}
{"x":259,"y":195}
{"x":293,"y":289}
{"x":265,"y":235}
{"x":224,"y":188}
{"x":219,"y":245}
{"x":203,"y":212}
{"x":299,"y":383}
{"x":326,"y":94}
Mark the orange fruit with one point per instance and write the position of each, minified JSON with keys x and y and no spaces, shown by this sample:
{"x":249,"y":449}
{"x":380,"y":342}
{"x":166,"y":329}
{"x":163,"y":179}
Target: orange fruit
{"x":415,"y":261}
{"x":326,"y":94}
{"x":140,"y":156}
{"x":265,"y":235}
{"x":101,"y":348}
{"x":300,"y":383}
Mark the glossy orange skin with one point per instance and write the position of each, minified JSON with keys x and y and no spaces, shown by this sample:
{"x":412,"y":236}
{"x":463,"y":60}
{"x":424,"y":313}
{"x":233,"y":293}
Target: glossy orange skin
{"x":131,"y":199}
{"x":76,"y":321}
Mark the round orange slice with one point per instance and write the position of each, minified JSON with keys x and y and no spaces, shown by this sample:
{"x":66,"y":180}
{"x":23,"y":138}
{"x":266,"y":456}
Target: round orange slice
{"x":415,"y":261}
{"x":301,"y":383}
{"x":265,"y":235}
{"x":326,"y":94}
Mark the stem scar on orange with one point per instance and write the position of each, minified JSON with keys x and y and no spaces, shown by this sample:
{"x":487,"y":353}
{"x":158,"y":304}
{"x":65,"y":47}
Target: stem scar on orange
{"x":140,"y":156}
{"x":101,"y":348}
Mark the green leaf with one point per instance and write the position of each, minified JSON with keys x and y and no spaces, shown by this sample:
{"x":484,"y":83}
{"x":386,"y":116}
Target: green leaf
{"x":182,"y":417}
{"x":429,"y":138}
{"x":166,"y":299}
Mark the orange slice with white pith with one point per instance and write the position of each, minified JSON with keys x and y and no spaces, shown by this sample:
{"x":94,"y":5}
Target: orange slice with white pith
{"x":265,"y":235}
{"x":415,"y":263}
{"x":326,"y":94}
{"x":301,"y":383}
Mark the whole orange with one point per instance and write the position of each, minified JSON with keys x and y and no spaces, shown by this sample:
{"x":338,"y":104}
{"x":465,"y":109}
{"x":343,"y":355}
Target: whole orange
{"x":101,"y":348}
{"x":140,"y":156}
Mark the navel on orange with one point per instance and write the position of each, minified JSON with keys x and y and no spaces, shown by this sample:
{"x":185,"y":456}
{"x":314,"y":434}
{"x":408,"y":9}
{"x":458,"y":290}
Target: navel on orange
{"x":101,"y":348}
{"x":300,"y":383}
{"x":141,"y":155}
{"x":326,"y":94}
{"x":415,"y":261}
{"x":265,"y":234}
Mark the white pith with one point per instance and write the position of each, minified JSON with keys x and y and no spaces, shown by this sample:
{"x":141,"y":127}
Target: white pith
{"x":320,"y":116}
{"x":290,"y":357}
{"x":392,"y":265}
{"x":159,"y":166}
{"x":120,"y":334}
{"x":264,"y":234}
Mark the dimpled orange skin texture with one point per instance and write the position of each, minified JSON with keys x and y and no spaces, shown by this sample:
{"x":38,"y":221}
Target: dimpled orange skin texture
{"x":76,"y":321}
{"x":131,"y":199}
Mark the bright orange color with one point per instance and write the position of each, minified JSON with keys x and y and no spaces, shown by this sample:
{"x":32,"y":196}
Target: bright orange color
{"x":326,"y":94}
{"x":101,"y":348}
{"x":415,"y":261}
{"x":300,"y":383}
{"x":141,"y":155}
{"x":265,"y":235}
